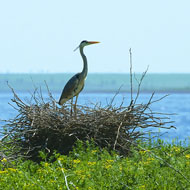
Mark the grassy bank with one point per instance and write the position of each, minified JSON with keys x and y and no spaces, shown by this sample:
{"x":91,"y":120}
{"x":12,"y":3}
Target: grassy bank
{"x":153,"y":165}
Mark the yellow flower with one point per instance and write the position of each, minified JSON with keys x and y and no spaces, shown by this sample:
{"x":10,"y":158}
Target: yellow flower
{"x":176,"y":149}
{"x":76,"y":161}
{"x":3,"y":172}
{"x":150,"y":159}
{"x":143,"y":151}
{"x":4,"y":160}
{"x":107,"y":166}
{"x":39,"y":171}
{"x":109,"y":161}
{"x":52,"y":181}
{"x":12,"y":169}
{"x":79,"y":172}
{"x":46,"y":164}
{"x":60,"y":158}
{"x":91,"y":163}
{"x":187,"y":156}
{"x":142,"y":187}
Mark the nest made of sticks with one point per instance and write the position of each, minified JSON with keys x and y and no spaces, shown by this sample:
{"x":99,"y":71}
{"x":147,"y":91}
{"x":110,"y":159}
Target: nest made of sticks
{"x":43,"y":125}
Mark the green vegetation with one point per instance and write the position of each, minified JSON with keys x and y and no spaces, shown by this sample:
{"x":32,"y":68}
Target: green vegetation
{"x":151,"y":165}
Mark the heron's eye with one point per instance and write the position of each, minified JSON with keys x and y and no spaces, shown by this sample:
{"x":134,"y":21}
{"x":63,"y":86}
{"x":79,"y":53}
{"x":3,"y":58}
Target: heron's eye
{"x":84,"y":41}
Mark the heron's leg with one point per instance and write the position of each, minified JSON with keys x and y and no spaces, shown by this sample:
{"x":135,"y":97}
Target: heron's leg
{"x":71,"y":106}
{"x":75,"y":104}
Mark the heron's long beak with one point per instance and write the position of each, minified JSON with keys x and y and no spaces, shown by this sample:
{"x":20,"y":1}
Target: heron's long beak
{"x":93,"y":42}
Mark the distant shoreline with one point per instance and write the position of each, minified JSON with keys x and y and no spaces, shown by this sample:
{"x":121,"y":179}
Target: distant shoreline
{"x":98,"y":83}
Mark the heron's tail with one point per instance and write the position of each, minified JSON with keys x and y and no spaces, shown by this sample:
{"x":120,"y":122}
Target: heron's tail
{"x":62,"y":101}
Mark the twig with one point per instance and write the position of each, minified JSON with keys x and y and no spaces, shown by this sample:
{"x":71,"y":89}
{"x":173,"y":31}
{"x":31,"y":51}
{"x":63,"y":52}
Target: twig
{"x":131,"y":74}
{"x":117,"y":135}
{"x":139,"y":84}
{"x":64,"y":175}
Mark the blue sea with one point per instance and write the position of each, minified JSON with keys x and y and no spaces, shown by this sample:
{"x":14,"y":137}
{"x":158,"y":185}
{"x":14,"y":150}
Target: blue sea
{"x":177,"y":104}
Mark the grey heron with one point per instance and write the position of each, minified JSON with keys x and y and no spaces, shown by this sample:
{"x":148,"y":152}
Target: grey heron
{"x":75,"y":85}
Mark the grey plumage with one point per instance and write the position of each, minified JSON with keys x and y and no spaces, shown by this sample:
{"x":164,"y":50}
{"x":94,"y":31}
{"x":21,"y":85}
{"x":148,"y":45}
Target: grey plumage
{"x":73,"y":87}
{"x":76,"y":84}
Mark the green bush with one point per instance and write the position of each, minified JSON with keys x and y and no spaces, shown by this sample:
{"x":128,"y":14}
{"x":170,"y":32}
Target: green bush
{"x":150,"y":166}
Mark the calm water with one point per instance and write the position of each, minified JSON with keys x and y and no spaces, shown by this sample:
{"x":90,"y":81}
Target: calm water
{"x":178,"y":103}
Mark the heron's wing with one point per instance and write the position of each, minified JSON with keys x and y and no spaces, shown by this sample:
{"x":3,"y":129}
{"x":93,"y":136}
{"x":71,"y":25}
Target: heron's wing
{"x":69,"y":89}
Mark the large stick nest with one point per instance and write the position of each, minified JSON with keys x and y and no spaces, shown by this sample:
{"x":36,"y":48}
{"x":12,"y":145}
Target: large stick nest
{"x":42,"y":125}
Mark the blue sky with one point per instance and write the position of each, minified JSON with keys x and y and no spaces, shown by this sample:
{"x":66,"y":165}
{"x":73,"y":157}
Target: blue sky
{"x":40,"y":35}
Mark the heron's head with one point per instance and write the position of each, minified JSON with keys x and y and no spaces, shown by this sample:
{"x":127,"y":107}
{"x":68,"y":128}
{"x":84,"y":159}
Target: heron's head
{"x":86,"y":43}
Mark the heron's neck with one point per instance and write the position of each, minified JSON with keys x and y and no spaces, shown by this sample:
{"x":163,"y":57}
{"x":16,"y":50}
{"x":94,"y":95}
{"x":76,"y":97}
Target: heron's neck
{"x":85,"y":65}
